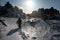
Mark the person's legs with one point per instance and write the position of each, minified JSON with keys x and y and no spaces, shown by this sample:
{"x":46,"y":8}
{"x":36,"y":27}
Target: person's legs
{"x":20,"y":30}
{"x":20,"y":27}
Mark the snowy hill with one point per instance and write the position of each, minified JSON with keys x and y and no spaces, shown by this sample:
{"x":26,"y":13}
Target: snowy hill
{"x":41,"y":31}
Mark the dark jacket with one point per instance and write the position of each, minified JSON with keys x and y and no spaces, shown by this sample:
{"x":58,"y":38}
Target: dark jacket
{"x":19,"y":21}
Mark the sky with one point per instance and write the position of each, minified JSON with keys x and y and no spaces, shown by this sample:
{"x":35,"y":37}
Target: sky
{"x":29,"y":5}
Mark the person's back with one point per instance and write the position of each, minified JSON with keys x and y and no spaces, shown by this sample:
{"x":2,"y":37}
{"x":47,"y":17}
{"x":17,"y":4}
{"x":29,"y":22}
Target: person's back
{"x":19,"y":22}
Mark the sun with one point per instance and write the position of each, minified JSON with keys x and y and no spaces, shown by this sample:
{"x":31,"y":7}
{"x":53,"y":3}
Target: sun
{"x":29,"y":4}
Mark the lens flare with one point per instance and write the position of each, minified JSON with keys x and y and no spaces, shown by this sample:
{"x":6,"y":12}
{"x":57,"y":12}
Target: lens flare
{"x":29,"y":4}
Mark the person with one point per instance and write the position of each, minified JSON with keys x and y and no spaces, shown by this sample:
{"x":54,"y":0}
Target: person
{"x":3,"y":23}
{"x":19,"y":22}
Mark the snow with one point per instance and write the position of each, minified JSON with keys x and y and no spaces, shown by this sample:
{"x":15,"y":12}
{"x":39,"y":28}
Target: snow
{"x":41,"y":30}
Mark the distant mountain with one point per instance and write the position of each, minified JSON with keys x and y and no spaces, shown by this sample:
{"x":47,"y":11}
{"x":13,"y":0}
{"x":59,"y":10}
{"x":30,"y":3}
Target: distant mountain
{"x":46,"y":14}
{"x":9,"y":11}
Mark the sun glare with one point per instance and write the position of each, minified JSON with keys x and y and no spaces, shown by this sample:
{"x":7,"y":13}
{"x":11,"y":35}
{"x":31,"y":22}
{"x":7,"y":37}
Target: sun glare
{"x":29,"y":4}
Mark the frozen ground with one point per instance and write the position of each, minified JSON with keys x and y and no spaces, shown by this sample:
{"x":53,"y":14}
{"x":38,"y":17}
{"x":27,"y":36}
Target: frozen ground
{"x":41,"y":31}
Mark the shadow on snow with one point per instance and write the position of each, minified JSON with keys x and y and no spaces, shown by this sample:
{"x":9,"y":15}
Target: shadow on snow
{"x":12,"y":31}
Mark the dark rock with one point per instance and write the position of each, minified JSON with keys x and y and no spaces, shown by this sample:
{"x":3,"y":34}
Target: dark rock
{"x":34,"y":37}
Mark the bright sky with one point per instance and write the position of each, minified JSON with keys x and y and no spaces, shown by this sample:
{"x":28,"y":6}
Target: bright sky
{"x":29,"y":5}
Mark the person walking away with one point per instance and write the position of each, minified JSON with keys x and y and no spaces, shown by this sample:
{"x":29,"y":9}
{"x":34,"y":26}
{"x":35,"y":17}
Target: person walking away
{"x":19,"y":22}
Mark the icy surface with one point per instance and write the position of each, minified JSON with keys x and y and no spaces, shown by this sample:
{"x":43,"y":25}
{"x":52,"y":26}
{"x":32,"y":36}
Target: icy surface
{"x":41,"y":30}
